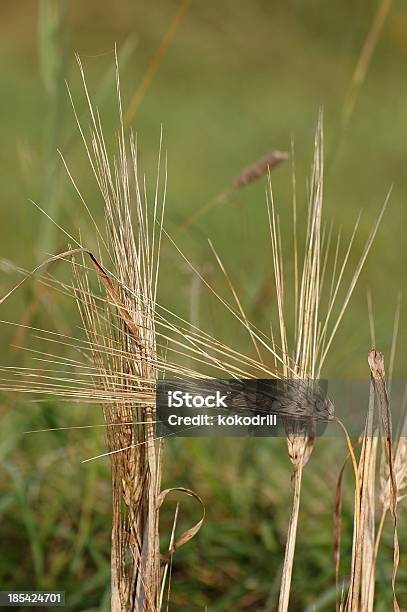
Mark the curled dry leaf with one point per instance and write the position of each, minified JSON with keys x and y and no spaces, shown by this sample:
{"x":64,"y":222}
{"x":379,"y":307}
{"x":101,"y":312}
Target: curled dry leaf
{"x":192,"y":531}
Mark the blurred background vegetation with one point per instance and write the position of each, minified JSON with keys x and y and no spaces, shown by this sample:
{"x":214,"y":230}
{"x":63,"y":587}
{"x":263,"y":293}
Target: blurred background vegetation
{"x":229,"y":82}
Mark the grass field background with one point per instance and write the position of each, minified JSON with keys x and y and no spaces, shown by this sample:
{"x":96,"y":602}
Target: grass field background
{"x":238,"y":80}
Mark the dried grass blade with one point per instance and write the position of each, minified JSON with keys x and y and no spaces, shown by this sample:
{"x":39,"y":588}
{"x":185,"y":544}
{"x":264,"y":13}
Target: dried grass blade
{"x":337,"y":523}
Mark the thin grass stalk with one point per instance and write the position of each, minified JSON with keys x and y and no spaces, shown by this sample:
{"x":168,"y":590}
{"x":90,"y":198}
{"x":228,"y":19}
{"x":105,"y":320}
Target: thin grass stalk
{"x":285,"y":586}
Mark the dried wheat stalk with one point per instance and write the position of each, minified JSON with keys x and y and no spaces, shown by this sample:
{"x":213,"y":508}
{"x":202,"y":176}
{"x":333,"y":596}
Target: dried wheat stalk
{"x":127,"y":320}
{"x":365,"y":544}
{"x":361,"y":590}
{"x":376,"y":363}
{"x":119,"y":321}
{"x":314,"y":329}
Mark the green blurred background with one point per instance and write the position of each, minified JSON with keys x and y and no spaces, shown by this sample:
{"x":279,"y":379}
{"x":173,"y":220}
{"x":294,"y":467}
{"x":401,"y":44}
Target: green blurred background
{"x":237,"y":80}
